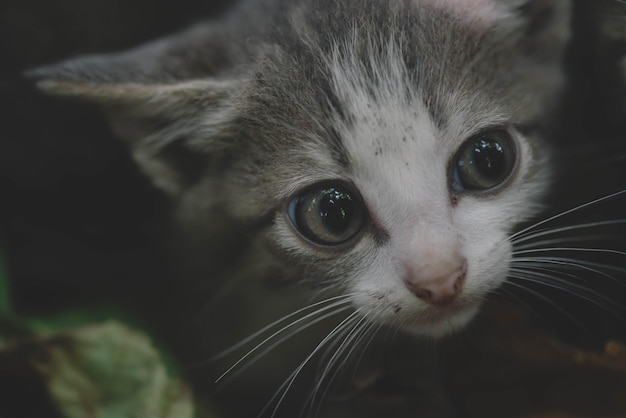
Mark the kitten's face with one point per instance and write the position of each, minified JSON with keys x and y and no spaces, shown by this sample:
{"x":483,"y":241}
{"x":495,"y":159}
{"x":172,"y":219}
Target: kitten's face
{"x":408,"y":214}
{"x":438,"y":203}
{"x":402,"y":183}
{"x":393,"y":152}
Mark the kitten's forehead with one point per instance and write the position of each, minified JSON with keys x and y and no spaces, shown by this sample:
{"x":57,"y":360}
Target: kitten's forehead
{"x":394,"y":94}
{"x":395,"y":149}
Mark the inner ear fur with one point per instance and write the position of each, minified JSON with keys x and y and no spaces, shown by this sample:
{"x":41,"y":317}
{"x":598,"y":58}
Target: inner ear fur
{"x":171,"y":129}
{"x":163,"y":98}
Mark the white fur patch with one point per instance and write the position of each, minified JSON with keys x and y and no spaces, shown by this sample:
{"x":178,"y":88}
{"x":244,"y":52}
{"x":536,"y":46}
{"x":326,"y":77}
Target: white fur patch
{"x":400,"y":161}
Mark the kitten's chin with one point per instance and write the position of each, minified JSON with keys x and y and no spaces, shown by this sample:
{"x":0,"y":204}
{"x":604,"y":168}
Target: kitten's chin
{"x":441,"y":322}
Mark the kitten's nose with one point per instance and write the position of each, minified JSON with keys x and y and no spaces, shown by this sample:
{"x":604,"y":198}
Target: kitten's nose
{"x":437,"y":281}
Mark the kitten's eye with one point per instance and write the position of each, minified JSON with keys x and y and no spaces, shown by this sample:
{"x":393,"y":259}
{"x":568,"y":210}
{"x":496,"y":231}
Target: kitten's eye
{"x":327,"y":215}
{"x":484,"y":161}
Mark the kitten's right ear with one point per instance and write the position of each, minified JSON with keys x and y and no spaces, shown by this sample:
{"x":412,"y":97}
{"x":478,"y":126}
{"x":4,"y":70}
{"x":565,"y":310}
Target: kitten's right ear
{"x":543,"y":25}
{"x":163,"y":98}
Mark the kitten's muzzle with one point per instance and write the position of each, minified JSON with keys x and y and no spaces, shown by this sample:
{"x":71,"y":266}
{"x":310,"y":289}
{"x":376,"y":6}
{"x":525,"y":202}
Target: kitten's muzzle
{"x":437,"y":281}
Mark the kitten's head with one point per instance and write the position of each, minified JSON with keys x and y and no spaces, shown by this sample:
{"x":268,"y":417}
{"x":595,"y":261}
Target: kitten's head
{"x":383,"y":150}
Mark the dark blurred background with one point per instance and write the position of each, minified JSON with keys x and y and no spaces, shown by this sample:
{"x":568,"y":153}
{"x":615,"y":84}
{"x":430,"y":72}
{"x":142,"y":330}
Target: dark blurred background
{"x":80,"y":226}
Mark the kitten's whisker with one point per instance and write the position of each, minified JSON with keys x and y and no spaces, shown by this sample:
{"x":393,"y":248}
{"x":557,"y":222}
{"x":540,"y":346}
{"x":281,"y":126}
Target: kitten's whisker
{"x":548,"y":300}
{"x":564,"y":213}
{"x":575,"y":262}
{"x":330,"y":348}
{"x":574,"y":249}
{"x":372,"y":334}
{"x":531,"y":266}
{"x":330,"y":288}
{"x":349,"y":341}
{"x":343,"y":299}
{"x":502,"y":290}
{"x":284,"y":388}
{"x":574,"y":289}
{"x":267,"y":350}
{"x":339,"y":336}
{"x":379,"y":325}
{"x":288,"y":336}
{"x":528,"y":306}
{"x":358,"y":335}
{"x":551,"y":231}
{"x":366,"y":329}
{"x":578,"y":264}
{"x":572,"y":240}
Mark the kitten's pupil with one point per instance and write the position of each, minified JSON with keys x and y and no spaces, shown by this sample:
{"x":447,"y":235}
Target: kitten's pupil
{"x":335,"y":208}
{"x":484,"y":161}
{"x":327,"y":215}
{"x":489,"y":158}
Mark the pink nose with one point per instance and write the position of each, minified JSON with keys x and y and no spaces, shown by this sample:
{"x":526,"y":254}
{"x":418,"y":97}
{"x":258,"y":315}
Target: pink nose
{"x":438,"y":283}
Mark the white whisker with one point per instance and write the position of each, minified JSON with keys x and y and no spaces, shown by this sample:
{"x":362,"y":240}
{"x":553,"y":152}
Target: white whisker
{"x":359,"y":329}
{"x":288,"y":336}
{"x":567,"y":212}
{"x":537,"y":266}
{"x":574,"y":289}
{"x":284,"y":388}
{"x":574,"y":249}
{"x":379,"y":325}
{"x":573,"y":263}
{"x":342,"y":298}
{"x":549,"y":301}
{"x":571,"y":240}
{"x":551,"y":231}
{"x":519,"y":300}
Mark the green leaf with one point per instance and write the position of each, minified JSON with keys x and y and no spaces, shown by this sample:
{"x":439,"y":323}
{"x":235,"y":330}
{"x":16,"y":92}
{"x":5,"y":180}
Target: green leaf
{"x":109,"y":370}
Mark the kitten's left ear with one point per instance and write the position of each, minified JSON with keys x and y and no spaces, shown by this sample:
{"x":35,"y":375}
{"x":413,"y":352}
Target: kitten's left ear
{"x":163,"y":98}
{"x":152,"y":114}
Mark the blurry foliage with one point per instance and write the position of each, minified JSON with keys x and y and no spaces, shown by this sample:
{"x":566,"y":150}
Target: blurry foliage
{"x":82,"y":364}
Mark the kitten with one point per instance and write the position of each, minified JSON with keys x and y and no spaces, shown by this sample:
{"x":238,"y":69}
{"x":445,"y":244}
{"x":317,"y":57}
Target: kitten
{"x":375,"y":154}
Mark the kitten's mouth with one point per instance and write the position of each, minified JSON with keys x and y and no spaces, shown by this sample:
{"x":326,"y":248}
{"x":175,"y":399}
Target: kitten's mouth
{"x":441,"y":320}
{"x":441,"y":313}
